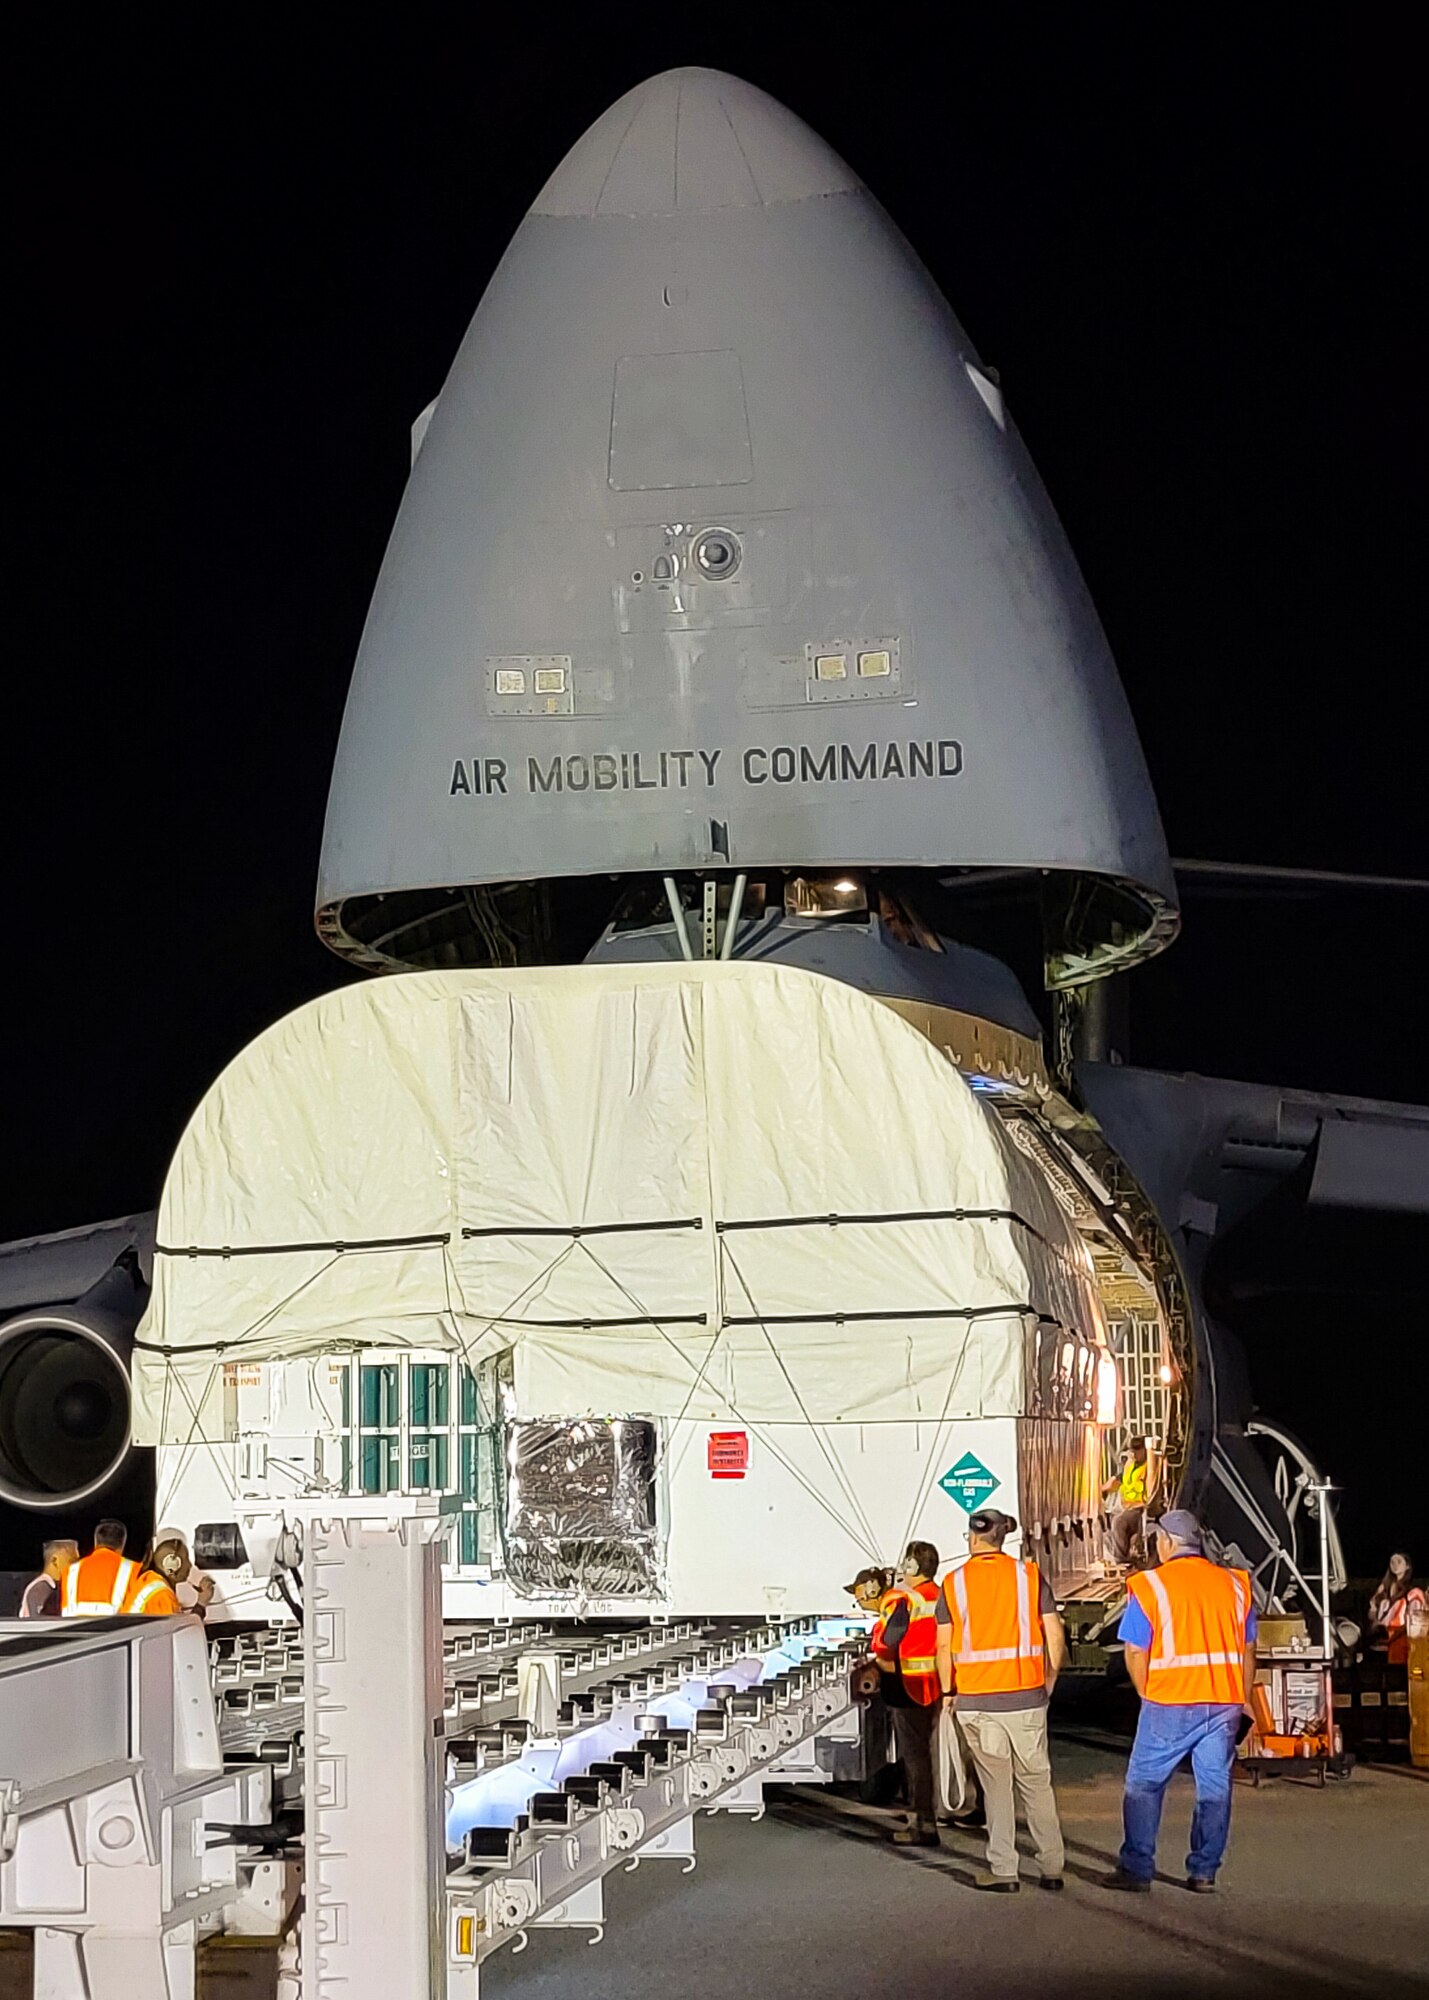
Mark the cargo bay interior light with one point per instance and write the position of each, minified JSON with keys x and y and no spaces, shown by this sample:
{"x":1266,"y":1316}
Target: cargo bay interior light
{"x":872,"y":665}
{"x":1107,"y":1389}
{"x":830,"y":667}
{"x":825,"y":896}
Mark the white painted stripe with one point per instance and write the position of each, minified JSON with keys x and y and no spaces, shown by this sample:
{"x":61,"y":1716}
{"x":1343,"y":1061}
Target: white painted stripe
{"x":960,"y":1591}
{"x":1165,"y":1637}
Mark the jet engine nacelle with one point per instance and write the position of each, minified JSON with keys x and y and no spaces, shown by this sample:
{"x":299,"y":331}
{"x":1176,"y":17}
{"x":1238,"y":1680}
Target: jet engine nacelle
{"x":64,"y":1393}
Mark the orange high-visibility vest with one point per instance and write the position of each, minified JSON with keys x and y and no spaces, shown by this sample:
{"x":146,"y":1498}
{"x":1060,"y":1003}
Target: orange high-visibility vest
{"x":151,"y":1596}
{"x":1396,"y":1624}
{"x":919,"y":1651}
{"x":917,"y":1654}
{"x":98,"y":1585}
{"x":996,"y":1626}
{"x":1197,"y":1612}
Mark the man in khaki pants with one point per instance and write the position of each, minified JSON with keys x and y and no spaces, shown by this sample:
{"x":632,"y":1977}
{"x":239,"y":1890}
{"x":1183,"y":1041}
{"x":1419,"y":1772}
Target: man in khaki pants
{"x":1000,"y":1635}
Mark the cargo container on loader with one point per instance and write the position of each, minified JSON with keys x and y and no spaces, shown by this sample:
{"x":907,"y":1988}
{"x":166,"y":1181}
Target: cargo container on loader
{"x":703,"y":1285}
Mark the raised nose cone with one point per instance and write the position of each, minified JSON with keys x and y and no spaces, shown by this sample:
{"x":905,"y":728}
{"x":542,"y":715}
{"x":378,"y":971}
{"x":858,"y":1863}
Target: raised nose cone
{"x":721,"y":551}
{"x":688,"y":143}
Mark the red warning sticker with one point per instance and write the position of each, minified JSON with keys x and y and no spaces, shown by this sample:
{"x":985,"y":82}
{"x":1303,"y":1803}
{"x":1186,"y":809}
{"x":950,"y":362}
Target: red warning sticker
{"x":728,"y":1454}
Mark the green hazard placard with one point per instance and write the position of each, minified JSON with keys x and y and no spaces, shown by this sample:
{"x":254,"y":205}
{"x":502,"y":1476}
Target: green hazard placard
{"x":969,"y":1483}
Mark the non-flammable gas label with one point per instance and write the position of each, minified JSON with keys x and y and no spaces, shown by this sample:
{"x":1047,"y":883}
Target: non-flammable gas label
{"x":968,"y":1482}
{"x":728,"y":1454}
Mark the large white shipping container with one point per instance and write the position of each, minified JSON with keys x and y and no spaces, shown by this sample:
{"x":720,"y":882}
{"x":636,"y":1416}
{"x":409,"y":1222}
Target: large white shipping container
{"x":699,"y":1285}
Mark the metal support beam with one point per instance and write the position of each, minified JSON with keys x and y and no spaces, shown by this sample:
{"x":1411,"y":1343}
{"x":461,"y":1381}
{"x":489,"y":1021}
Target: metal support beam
{"x":115,"y":1805}
{"x":731,"y":922}
{"x":677,"y":915}
{"x":374,"y":1852}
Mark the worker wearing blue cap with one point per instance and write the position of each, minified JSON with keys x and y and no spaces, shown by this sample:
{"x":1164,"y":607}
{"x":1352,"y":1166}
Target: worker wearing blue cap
{"x":1189,"y":1634}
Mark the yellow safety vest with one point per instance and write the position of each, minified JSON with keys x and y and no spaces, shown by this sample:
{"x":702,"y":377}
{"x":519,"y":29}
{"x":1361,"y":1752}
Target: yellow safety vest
{"x":1133,"y":1483}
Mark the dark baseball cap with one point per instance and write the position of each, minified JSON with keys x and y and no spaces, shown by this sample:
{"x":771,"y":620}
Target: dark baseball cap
{"x":991,"y":1521}
{"x":866,"y":1576}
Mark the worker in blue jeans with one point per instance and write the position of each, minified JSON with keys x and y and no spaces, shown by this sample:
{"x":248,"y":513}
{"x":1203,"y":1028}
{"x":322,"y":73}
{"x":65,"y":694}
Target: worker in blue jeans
{"x":1189,"y":1634}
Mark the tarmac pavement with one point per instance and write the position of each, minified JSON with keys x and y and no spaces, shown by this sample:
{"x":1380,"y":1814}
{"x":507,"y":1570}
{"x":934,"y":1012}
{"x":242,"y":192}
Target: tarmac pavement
{"x":1324,"y":1893}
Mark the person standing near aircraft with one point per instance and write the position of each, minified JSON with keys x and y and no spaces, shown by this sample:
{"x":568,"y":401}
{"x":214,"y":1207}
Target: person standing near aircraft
{"x":42,"y":1594}
{"x":1000,"y":1633}
{"x":1397,"y":1596}
{"x":906,"y":1650}
{"x":170,"y":1559}
{"x":108,"y":1584}
{"x":99,"y":1584}
{"x":1189,"y":1635}
{"x":871,"y":1591}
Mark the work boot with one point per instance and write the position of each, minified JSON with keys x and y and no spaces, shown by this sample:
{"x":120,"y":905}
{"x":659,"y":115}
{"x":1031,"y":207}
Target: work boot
{"x":916,"y":1836}
{"x":1000,"y":1885}
{"x":1050,"y":1882}
{"x":1119,"y":1879}
{"x":1201,"y":1885}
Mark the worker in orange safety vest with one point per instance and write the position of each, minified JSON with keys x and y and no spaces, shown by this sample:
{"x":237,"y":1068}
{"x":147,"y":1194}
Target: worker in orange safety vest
{"x":169,"y":1558}
{"x":108,"y":1584}
{"x":870,"y":1591}
{"x":905,"y":1645}
{"x":1000,"y":1634}
{"x":152,"y":1597}
{"x":1188,"y":1633}
{"x":100,"y":1584}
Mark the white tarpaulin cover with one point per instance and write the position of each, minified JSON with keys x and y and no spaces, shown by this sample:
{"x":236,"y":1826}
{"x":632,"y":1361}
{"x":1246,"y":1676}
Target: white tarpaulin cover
{"x":414,"y":1162}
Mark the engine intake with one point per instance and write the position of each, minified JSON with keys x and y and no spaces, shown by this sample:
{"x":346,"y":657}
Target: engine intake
{"x":64,"y":1403}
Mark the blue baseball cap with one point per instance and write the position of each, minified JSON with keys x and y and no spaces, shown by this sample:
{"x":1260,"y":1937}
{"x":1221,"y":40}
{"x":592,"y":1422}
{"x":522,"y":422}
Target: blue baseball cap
{"x":1181,"y":1525}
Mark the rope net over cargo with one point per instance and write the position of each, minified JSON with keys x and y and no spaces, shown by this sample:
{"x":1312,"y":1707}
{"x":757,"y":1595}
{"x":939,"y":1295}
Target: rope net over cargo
{"x":658,"y":1196}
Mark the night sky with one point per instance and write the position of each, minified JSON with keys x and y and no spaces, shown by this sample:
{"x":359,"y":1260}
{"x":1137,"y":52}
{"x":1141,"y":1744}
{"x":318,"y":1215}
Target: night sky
{"x":247,"y":248}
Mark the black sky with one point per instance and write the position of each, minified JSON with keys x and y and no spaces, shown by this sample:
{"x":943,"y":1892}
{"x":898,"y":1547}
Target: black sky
{"x":247,"y":246}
